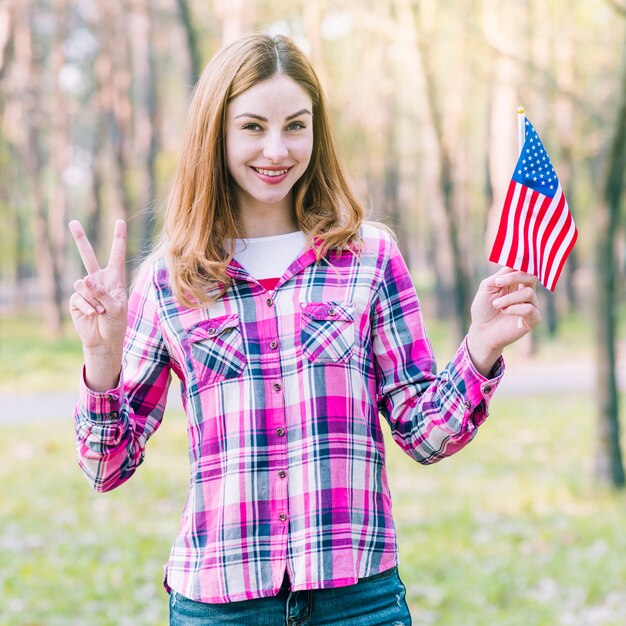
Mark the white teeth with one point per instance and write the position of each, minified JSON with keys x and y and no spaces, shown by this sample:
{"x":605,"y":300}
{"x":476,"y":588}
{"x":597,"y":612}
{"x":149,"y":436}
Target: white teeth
{"x":270,"y":172}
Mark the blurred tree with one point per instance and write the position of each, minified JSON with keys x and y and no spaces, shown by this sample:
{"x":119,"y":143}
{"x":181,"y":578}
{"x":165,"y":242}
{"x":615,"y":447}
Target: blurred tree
{"x":191,"y":37}
{"x":426,"y":20}
{"x":609,"y":464}
{"x":25,"y":117}
{"x":145,"y":110}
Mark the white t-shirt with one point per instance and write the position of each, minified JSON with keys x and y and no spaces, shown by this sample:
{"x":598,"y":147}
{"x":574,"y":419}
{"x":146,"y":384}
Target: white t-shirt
{"x":269,"y":257}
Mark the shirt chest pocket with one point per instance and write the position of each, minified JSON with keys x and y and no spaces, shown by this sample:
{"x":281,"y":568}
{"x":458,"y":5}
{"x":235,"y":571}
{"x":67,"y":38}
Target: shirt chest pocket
{"x":217,"y":349}
{"x":327,"y":331}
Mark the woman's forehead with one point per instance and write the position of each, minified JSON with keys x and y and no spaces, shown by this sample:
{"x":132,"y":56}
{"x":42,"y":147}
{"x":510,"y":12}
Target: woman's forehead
{"x":277,"y":93}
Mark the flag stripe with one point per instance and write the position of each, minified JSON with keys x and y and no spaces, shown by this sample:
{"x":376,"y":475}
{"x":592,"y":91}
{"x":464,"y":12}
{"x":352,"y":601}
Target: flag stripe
{"x":553,"y":219}
{"x":567,"y":241}
{"x":498,"y":246}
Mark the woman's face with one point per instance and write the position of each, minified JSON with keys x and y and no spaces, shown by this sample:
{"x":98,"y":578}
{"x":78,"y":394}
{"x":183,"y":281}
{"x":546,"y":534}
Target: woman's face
{"x":269,"y":141}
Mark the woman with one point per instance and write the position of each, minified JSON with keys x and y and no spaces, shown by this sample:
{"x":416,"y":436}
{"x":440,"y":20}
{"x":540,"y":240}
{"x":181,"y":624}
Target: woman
{"x":292,"y":324}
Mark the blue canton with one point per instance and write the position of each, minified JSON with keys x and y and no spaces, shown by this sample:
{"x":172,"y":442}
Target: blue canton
{"x":534,"y":168}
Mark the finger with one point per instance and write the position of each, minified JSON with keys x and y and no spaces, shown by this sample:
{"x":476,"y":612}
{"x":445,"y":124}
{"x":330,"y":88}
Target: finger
{"x":84,"y":247}
{"x":78,"y":303}
{"x":82,"y":290}
{"x":117,"y":259}
{"x":513,"y":278}
{"x":525,"y":310}
{"x":113,"y":303}
{"x":518,"y":296}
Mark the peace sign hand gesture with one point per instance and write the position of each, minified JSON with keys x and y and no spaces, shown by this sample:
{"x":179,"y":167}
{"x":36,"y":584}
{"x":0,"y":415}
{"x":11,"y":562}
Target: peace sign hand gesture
{"x":99,"y":305}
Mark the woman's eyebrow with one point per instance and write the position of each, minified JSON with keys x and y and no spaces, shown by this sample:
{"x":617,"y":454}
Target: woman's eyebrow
{"x":298,"y":114}
{"x":264,"y":119}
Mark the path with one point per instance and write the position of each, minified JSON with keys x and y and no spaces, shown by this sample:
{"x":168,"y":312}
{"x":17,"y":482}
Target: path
{"x":523,"y":377}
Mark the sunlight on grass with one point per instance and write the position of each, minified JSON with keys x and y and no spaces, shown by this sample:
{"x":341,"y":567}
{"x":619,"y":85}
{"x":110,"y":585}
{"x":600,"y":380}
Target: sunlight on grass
{"x":30,"y":360}
{"x":510,"y":531}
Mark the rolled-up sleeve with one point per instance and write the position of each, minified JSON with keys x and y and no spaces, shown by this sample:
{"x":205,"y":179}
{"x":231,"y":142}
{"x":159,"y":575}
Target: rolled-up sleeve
{"x":431,"y":415}
{"x":113,"y":427}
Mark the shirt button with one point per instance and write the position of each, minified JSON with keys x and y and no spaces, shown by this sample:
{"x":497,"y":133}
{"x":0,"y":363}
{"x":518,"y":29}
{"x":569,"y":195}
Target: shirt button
{"x":277,"y":387}
{"x":282,"y":473}
{"x":111,"y":398}
{"x":282,"y":517}
{"x":467,"y":405}
{"x":269,"y":302}
{"x":332,"y":312}
{"x":113,"y":414}
{"x":280,"y":432}
{"x":211,"y":331}
{"x":273,"y":345}
{"x":487,"y":389}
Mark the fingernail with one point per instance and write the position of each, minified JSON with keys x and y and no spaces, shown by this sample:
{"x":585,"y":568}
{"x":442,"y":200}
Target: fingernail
{"x":496,"y":303}
{"x":88,"y":282}
{"x":100,"y":308}
{"x":499,"y":282}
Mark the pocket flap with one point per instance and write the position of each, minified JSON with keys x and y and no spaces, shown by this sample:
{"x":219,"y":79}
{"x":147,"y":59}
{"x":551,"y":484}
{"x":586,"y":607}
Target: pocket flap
{"x":207,"y":329}
{"x":329,"y":311}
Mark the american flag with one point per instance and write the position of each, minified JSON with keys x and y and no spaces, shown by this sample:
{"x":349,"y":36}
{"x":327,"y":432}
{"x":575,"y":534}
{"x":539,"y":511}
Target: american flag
{"x":537,"y":231}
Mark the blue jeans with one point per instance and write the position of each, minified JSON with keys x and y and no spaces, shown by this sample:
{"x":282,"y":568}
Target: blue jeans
{"x":378,"y":600}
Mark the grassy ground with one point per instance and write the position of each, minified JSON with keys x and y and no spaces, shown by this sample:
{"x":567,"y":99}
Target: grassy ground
{"x":510,"y":531}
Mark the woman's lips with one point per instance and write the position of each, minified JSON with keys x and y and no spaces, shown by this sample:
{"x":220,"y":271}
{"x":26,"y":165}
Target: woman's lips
{"x":271,"y":175}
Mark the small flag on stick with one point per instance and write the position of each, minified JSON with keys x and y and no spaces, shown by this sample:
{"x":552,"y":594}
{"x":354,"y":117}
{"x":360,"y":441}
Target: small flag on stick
{"x":537,"y":231}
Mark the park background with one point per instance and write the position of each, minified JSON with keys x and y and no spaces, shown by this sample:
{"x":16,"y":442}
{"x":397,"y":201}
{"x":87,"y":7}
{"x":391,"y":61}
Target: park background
{"x":525,"y":526}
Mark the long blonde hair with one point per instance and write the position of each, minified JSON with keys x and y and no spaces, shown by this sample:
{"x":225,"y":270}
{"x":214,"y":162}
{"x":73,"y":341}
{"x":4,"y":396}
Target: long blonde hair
{"x":201,"y":215}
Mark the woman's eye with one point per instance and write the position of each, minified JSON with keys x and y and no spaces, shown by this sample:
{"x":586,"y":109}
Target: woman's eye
{"x":252,"y":126}
{"x":296,"y":126}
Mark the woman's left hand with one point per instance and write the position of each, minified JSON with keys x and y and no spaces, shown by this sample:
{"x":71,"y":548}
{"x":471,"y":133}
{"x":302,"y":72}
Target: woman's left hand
{"x":504,"y":309}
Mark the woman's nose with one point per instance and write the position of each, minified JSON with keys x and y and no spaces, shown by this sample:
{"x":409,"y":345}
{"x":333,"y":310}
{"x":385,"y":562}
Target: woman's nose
{"x":275,"y":148}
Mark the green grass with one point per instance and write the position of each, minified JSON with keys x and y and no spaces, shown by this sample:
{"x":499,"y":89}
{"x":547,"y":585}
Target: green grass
{"x":510,"y":531}
{"x":30,"y":360}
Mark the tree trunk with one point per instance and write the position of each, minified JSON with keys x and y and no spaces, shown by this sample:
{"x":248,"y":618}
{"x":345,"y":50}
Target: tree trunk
{"x":28,"y":141}
{"x":460,"y":275}
{"x":60,"y":156}
{"x":195,"y":60}
{"x":6,"y":36}
{"x":609,"y":464}
{"x":146,"y":138}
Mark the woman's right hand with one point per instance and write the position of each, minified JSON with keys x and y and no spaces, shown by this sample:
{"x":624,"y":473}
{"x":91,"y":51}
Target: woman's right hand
{"x":99,"y":304}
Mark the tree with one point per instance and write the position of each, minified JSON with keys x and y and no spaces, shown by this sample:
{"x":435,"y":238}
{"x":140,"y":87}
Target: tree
{"x":609,"y":464}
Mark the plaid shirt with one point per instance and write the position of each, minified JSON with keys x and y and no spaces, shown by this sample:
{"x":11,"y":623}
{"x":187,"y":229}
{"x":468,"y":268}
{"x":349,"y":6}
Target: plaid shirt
{"x":282,"y":392}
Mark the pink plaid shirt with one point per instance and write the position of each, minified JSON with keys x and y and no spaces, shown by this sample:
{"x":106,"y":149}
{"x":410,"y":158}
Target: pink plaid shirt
{"x":282,"y":392}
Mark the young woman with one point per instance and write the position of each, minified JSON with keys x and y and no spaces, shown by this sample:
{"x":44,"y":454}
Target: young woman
{"x":291,"y":325}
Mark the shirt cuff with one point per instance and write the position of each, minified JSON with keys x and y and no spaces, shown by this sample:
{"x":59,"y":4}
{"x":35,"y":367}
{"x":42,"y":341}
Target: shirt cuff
{"x":100,"y":405}
{"x":475,"y":389}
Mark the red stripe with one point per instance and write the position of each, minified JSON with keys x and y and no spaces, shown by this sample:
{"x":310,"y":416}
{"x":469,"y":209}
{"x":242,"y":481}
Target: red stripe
{"x":555,"y":248}
{"x":564,"y":258}
{"x":510,"y":262}
{"x":498,"y":244}
{"x":543,"y":249}
{"x":545,"y":205}
{"x":524,"y":265}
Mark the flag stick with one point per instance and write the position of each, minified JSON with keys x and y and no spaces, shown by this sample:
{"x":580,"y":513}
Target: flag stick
{"x":521,"y":138}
